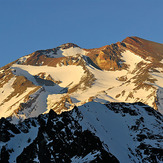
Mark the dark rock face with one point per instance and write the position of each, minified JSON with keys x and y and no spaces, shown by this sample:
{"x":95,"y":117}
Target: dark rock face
{"x":4,"y":155}
{"x":153,"y":153}
{"x":5,"y":130}
{"x":62,"y":138}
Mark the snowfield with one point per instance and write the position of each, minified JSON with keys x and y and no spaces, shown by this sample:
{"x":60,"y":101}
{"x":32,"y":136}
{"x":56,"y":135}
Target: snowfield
{"x":115,"y":130}
{"x":72,"y":51}
{"x":7,"y":107}
{"x":66,"y":74}
{"x":106,"y":88}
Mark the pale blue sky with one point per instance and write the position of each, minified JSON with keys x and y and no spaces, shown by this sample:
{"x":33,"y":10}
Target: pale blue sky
{"x":30,"y":25}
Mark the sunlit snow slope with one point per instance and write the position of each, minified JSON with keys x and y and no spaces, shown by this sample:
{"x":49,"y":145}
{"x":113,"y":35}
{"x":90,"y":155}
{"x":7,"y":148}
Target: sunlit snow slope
{"x":68,"y":76}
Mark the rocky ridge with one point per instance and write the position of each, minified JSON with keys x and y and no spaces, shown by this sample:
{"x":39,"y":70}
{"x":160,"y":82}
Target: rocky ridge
{"x":88,"y":133}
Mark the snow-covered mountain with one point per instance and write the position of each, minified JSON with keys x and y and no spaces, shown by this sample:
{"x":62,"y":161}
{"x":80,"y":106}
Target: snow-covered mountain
{"x":98,"y":94}
{"x":68,"y":76}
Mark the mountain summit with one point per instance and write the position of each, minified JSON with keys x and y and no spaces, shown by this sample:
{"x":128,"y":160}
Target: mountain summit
{"x":85,"y":90}
{"x":68,"y":76}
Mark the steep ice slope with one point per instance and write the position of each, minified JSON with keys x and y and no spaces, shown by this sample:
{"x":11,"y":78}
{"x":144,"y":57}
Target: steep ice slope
{"x":113,"y":132}
{"x":131,"y":60}
{"x":120,"y":126}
